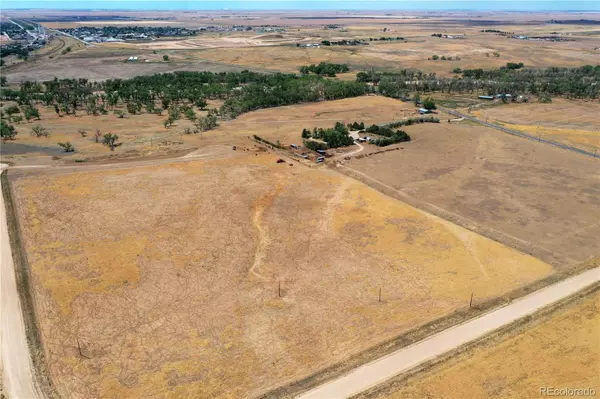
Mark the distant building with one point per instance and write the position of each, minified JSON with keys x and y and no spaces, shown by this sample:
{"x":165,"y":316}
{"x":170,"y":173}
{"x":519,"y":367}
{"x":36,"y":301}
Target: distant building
{"x":424,"y":111}
{"x":486,"y":97}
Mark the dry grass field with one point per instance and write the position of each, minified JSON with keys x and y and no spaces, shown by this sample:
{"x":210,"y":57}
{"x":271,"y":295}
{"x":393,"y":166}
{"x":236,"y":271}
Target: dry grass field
{"x":145,"y":134}
{"x":278,"y":52}
{"x":561,"y":351}
{"x":286,"y":123}
{"x":167,"y":276}
{"x":568,"y":121}
{"x":474,"y":52}
{"x":540,"y":198}
{"x":223,"y":273}
{"x":101,"y":63}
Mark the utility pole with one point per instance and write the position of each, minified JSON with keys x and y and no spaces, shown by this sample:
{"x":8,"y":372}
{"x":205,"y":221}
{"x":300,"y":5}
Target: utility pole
{"x":279,"y":292}
{"x":471,"y":302}
{"x":379,"y":294}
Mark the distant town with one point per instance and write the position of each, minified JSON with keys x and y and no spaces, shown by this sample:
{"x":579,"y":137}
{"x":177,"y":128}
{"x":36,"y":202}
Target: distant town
{"x":126,"y":33}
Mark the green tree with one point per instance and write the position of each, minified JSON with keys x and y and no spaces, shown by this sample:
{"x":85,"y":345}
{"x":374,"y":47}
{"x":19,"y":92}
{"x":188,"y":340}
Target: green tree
{"x":31,"y":112}
{"x":190,"y":114}
{"x":7,"y":132}
{"x":417,"y":99}
{"x":110,"y":140}
{"x":429,"y":103}
{"x":201,"y":103}
{"x":165,"y":57}
{"x":11,"y":110}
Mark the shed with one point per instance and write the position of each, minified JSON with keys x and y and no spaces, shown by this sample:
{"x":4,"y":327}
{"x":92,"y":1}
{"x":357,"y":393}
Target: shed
{"x":486,"y":97}
{"x":424,"y":111}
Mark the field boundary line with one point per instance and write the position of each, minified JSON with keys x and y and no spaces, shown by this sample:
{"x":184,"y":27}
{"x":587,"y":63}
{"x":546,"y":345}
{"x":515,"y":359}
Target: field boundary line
{"x":521,"y":134}
{"x":488,"y":232}
{"x":420,"y":333}
{"x":41,"y":371}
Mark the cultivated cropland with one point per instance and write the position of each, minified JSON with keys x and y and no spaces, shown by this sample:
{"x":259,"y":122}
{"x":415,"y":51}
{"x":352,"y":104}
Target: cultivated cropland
{"x":253,"y":204}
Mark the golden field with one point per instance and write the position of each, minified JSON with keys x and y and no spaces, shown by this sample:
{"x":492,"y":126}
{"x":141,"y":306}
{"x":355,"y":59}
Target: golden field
{"x":566,"y":121}
{"x":167,"y":276}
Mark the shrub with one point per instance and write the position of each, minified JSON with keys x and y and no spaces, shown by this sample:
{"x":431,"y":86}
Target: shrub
{"x":110,"y":140}
{"x":68,"y":147}
{"x":31,"y":112}
{"x":7,"y":132}
{"x":39,"y":131}
{"x":11,"y":110}
{"x":398,"y":137}
{"x":429,"y":103}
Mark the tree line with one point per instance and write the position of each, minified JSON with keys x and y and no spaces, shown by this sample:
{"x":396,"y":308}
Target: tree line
{"x":582,"y":82}
{"x":324,"y":69}
{"x":242,"y":91}
{"x":390,"y":136}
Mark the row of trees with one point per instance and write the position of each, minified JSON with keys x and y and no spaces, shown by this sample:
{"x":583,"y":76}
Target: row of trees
{"x":242,"y":91}
{"x":399,"y":136}
{"x":324,"y":69}
{"x":343,"y":42}
{"x":390,"y":136}
{"x":580,"y":82}
{"x":412,"y":121}
{"x":385,"y":39}
{"x":356,"y":126}
{"x":13,"y":113}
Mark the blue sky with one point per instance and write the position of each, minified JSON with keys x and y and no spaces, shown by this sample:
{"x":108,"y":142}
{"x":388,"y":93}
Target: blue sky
{"x":486,"y":5}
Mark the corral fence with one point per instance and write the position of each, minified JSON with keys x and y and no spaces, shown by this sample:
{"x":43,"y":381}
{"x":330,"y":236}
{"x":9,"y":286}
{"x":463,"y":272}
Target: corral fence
{"x":521,"y":134}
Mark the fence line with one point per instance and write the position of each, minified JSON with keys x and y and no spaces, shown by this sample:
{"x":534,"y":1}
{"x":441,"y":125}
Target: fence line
{"x":521,"y":134}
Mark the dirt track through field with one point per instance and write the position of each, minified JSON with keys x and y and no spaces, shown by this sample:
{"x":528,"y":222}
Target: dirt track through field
{"x":407,"y":358}
{"x":16,"y":363}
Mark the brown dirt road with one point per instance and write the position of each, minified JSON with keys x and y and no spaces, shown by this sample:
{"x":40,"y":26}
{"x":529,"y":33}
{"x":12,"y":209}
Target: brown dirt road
{"x":16,"y":363}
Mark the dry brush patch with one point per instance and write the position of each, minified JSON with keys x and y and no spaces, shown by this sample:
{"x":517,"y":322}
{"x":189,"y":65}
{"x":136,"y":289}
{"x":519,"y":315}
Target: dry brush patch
{"x":163,"y":281}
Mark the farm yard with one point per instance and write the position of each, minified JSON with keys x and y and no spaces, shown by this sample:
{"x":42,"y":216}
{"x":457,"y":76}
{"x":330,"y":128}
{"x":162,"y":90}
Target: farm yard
{"x":554,"y":351}
{"x":193,"y":272}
